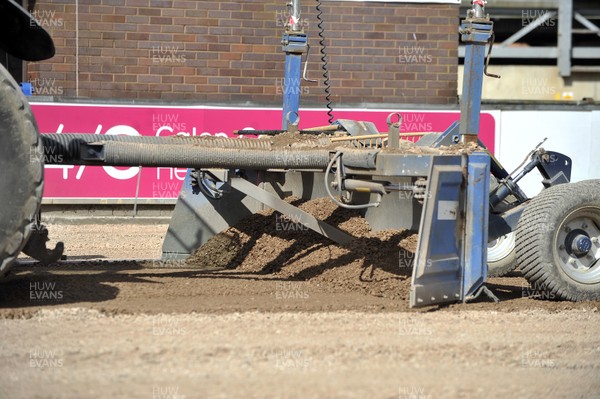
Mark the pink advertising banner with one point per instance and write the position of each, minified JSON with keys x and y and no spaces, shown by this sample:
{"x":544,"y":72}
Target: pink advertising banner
{"x":93,"y":182}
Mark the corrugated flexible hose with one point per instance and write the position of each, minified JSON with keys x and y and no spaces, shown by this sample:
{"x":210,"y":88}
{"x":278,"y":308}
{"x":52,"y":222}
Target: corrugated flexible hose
{"x":66,"y":146}
{"x":181,"y":151}
{"x":124,"y":154}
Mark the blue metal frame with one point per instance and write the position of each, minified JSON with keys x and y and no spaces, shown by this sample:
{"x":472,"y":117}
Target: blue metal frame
{"x":476,"y":33}
{"x":451,"y":257}
{"x":437,"y":273}
{"x":294,"y":46}
{"x":474,"y":258}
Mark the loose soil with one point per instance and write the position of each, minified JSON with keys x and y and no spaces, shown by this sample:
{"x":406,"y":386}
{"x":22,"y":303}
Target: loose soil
{"x":268,"y":309}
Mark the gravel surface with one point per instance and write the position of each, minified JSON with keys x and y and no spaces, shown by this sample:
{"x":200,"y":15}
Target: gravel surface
{"x":268,"y":309}
{"x":79,"y":353}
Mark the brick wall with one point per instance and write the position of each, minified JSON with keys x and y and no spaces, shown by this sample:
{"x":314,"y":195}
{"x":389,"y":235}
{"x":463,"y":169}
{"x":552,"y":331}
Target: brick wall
{"x":229,"y":51}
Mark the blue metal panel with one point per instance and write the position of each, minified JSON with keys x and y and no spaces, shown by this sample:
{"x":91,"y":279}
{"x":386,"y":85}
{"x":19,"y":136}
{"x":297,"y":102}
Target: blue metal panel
{"x":436,"y":275}
{"x":451,"y":259}
{"x":294,"y":46}
{"x":477,"y":218}
{"x":475,"y":35}
{"x":291,"y":87}
{"x":470,"y":104}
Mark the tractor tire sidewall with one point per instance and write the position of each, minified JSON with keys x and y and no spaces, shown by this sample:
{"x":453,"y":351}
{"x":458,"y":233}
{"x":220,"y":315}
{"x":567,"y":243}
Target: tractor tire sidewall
{"x":21,"y":170}
{"x":536,"y":240}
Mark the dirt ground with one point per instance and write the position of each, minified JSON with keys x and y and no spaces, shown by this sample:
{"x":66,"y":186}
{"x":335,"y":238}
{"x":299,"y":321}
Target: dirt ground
{"x":268,"y":309}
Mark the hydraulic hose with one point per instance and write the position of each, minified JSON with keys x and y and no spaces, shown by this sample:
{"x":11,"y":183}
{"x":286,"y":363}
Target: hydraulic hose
{"x":66,"y":146}
{"x":116,"y":153}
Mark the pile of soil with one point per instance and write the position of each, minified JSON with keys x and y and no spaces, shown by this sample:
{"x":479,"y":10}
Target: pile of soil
{"x":295,"y":140}
{"x":269,"y":245}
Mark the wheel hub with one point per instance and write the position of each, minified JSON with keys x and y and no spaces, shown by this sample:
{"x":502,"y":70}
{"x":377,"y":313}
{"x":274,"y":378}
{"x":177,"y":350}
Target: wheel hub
{"x":578,"y":243}
{"x":501,"y":247}
{"x":581,"y":245}
{"x":578,"y":247}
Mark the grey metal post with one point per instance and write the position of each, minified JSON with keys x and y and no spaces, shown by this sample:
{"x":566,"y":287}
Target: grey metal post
{"x":479,"y":9}
{"x":565,"y":22}
{"x":295,"y":15}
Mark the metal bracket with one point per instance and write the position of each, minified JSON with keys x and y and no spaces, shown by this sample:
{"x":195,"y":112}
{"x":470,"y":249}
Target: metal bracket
{"x":92,"y":151}
{"x":394,"y":130}
{"x":483,"y":290}
{"x":554,"y":167}
{"x":289,"y":210}
{"x":476,"y":31}
{"x":36,"y":246}
{"x":295,"y":43}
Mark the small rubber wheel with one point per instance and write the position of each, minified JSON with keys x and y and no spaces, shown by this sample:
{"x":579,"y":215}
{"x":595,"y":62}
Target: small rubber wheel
{"x":21,"y":166}
{"x":501,"y":256}
{"x":557,"y":239}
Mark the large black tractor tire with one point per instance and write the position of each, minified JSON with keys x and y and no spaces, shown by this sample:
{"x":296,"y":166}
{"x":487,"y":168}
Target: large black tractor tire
{"x":558,"y":242}
{"x":21,"y":170}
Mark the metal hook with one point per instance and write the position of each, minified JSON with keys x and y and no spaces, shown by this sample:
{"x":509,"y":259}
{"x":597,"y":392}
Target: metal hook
{"x":306,"y":66}
{"x":487,"y":59}
{"x":394,"y":130}
{"x":389,"y":119}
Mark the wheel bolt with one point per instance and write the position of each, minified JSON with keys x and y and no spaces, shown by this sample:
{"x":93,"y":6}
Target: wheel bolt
{"x":584,"y":226}
{"x":572,"y":261}
{"x":567,"y":229}
{"x":561,"y":247}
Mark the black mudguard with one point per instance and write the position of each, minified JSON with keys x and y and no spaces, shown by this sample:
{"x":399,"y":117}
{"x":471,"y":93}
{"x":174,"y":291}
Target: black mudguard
{"x":20,"y":34}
